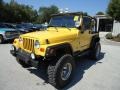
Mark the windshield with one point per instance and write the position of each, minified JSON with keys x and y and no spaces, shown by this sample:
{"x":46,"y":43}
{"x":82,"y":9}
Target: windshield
{"x":63,"y":21}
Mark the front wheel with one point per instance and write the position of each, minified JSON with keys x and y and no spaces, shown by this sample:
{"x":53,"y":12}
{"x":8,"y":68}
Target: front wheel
{"x":61,"y":73}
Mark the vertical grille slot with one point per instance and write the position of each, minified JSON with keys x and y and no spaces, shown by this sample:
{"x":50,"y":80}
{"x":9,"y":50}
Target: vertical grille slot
{"x":28,"y":44}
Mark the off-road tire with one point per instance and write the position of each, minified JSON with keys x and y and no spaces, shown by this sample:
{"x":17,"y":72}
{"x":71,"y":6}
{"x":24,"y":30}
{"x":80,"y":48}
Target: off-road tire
{"x":1,"y":39}
{"x":22,"y":63}
{"x":55,"y":69}
{"x":96,"y":49}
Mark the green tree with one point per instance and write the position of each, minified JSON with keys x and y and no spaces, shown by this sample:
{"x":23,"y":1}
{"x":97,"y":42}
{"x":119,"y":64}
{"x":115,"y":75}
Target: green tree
{"x":85,"y":13}
{"x":100,"y":13}
{"x":1,"y":10}
{"x":46,"y":12}
{"x":114,"y":9}
{"x":16,"y":13}
{"x":1,"y":2}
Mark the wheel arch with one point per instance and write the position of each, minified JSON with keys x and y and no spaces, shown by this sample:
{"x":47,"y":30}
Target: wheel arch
{"x":60,"y":49}
{"x":95,"y":39}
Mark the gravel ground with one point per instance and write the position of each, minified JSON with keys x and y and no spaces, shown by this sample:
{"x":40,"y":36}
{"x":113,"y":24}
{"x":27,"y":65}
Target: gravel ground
{"x":103,"y":74}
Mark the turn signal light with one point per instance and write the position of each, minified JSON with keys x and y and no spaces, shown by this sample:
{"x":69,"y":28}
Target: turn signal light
{"x":42,"y":49}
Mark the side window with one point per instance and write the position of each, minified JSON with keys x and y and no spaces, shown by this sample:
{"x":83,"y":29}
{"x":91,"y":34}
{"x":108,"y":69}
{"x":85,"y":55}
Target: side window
{"x":87,"y":23}
{"x":2,"y":26}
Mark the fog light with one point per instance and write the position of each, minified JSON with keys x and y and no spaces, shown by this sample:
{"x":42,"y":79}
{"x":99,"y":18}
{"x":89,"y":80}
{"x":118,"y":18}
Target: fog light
{"x":12,"y":48}
{"x":32,"y":56}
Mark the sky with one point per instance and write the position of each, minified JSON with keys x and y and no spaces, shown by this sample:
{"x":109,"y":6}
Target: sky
{"x":89,"y":6}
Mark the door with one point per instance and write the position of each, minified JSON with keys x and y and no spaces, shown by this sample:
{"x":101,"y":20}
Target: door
{"x":85,"y":33}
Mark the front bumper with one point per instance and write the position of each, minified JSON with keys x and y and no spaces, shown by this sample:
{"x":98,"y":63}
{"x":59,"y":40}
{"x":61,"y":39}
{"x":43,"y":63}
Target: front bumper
{"x":26,"y":57}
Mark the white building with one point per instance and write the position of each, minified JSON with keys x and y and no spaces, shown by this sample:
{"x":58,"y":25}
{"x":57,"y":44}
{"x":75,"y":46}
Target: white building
{"x":107,"y":24}
{"x":116,"y":28}
{"x":104,"y":23}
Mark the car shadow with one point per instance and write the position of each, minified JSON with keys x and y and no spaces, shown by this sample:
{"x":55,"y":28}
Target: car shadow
{"x":40,"y":72}
{"x":82,"y":64}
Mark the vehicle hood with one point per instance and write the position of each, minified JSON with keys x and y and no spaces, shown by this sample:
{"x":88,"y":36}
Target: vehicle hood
{"x":53,"y":35}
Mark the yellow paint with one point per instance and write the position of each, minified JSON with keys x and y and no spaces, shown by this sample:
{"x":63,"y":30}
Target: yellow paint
{"x":16,"y":43}
{"x":58,"y":35}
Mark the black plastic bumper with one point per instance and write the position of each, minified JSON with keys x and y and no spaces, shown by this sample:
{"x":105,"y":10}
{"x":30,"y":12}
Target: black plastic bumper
{"x":25,"y":57}
{"x":13,"y":52}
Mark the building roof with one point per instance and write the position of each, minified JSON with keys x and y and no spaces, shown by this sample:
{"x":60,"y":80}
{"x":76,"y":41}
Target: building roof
{"x":103,"y":17}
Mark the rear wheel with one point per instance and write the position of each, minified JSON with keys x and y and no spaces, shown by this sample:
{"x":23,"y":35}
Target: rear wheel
{"x":1,"y":39}
{"x":61,"y":72}
{"x":21,"y":62}
{"x":95,"y":52}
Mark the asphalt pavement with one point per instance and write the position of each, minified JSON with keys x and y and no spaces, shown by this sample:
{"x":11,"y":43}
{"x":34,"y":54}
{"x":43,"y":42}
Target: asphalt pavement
{"x":103,"y":74}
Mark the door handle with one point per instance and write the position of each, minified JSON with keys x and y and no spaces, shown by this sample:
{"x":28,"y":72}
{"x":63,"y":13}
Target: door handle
{"x":90,"y":32}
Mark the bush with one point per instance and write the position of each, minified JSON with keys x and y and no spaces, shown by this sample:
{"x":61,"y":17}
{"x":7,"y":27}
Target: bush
{"x":118,"y":36}
{"x":109,"y":36}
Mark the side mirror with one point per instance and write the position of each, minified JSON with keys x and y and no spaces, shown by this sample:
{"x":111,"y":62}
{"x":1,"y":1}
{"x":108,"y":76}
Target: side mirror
{"x":77,"y":24}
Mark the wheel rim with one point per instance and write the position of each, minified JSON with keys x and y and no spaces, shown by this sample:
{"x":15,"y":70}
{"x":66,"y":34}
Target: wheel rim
{"x":66,"y":71}
{"x":98,"y":51}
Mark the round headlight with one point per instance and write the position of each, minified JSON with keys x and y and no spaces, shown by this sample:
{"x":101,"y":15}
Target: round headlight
{"x":12,"y":48}
{"x":37,"y":44}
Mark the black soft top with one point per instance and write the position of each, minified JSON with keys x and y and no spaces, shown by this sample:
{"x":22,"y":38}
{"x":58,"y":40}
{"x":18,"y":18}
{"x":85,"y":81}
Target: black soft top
{"x":74,"y":13}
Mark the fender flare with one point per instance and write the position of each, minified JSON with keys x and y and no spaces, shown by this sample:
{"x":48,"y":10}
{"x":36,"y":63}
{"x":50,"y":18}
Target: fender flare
{"x":95,"y":39}
{"x":52,"y":50}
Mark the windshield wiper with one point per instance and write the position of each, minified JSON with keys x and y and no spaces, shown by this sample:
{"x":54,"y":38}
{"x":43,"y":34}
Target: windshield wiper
{"x":54,"y":27}
{"x":66,"y":27}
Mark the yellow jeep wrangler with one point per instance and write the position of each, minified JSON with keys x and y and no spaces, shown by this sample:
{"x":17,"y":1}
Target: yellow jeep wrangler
{"x":67,"y":35}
